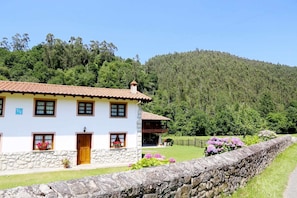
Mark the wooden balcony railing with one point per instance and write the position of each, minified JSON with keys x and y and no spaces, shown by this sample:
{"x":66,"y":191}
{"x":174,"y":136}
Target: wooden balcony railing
{"x":161,"y":130}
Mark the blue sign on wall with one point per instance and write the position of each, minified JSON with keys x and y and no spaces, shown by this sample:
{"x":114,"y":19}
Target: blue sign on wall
{"x":19,"y":111}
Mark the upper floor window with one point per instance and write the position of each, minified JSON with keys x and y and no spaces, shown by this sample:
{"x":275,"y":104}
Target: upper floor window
{"x":85,"y":108}
{"x":117,"y":140}
{"x":1,"y":106}
{"x":118,"y":110}
{"x":43,"y":141}
{"x":45,"y":107}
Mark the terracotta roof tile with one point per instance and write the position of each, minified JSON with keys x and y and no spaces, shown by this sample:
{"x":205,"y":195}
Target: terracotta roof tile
{"x":53,"y":89}
{"x":151,"y":116}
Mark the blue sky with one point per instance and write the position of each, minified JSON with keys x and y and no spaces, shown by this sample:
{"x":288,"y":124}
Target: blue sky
{"x":264,"y":30}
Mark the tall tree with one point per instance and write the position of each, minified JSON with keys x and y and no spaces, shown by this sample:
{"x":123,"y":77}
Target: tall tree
{"x":20,"y":43}
{"x":4,"y":44}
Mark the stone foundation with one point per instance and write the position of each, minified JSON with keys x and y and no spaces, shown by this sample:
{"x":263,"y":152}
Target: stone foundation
{"x":35,"y":159}
{"x":52,"y":159}
{"x":114,"y":156}
{"x":213,"y":176}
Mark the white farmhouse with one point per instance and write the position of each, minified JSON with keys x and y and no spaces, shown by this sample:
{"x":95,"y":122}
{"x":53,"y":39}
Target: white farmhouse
{"x":41,"y":124}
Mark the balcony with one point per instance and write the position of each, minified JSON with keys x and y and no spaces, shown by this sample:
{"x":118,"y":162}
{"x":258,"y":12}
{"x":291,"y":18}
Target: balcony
{"x":154,"y":130}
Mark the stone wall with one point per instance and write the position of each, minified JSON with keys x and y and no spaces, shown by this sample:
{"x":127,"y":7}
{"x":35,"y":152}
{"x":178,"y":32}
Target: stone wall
{"x":52,"y":159}
{"x":114,"y":156}
{"x":205,"y":177}
{"x":35,"y":159}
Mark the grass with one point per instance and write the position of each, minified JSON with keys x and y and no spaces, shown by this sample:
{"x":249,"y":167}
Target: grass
{"x":177,"y":152}
{"x":11,"y":181}
{"x":271,"y":183}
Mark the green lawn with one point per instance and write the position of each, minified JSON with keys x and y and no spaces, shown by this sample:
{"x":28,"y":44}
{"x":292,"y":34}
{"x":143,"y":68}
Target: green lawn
{"x":179,"y":153}
{"x":12,"y":181}
{"x":271,"y":183}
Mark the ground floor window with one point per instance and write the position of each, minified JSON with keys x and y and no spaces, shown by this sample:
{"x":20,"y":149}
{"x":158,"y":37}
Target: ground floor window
{"x":43,"y":141}
{"x":117,"y":140}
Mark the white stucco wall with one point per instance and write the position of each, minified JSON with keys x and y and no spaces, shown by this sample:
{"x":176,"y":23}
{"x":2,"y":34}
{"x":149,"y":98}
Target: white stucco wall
{"x":17,"y":130}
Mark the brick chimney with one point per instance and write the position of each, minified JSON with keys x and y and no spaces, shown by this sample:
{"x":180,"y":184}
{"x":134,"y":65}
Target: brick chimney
{"x":133,"y":87}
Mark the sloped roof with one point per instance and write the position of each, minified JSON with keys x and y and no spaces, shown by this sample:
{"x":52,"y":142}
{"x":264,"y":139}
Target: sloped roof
{"x":68,"y":90}
{"x":151,"y":116}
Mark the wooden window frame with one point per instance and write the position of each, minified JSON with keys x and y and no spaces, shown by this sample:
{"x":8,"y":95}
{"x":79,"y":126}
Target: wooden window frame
{"x":44,"y":139}
{"x":36,"y":101}
{"x":117,"y":110}
{"x":122,"y":137}
{"x":2,"y":106}
{"x":85,"y":108}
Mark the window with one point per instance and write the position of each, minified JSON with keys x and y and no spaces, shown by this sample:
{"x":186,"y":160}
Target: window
{"x":1,"y":106}
{"x":117,"y":140}
{"x":45,"y":107}
{"x":43,"y":141}
{"x":118,"y":110}
{"x":85,"y":108}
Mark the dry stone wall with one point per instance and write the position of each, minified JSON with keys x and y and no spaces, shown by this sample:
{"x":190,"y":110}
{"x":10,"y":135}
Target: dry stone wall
{"x":212,"y":176}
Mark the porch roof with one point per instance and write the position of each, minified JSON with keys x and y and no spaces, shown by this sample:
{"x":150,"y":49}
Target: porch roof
{"x":151,"y":116}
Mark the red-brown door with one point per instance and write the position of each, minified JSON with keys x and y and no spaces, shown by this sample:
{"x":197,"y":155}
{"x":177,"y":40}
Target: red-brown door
{"x":84,"y":148}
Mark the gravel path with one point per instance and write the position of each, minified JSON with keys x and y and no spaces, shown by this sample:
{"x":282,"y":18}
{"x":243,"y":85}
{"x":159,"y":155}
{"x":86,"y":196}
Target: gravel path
{"x":291,"y":190}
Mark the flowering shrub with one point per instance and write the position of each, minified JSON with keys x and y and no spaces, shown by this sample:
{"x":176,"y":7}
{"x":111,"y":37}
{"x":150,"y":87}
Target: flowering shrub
{"x":266,"y":135}
{"x":151,"y":160}
{"x":221,"y":145}
{"x":42,"y":145}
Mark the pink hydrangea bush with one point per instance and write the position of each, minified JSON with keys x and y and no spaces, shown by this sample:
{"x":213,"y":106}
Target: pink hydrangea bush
{"x":217,"y":145}
{"x":151,"y":160}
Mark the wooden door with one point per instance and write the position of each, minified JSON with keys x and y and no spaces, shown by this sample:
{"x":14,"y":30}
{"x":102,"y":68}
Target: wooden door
{"x":84,"y":148}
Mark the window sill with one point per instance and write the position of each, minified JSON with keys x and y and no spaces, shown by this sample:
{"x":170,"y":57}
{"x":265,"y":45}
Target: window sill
{"x":115,"y":148}
{"x":50,"y":150}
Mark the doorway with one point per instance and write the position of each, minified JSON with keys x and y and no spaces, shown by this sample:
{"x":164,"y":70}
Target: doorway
{"x":84,"y":148}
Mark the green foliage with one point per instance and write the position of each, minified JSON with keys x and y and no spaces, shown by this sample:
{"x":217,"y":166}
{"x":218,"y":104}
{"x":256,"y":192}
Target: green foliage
{"x":144,"y":162}
{"x":277,"y":122}
{"x":266,"y":104}
{"x":151,"y":160}
{"x":291,"y":113}
{"x":251,"y":139}
{"x":117,"y":74}
{"x":202,"y":92}
{"x":238,"y":119}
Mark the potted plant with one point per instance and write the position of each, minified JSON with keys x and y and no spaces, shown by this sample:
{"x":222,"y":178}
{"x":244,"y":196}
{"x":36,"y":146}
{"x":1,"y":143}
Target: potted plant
{"x":42,"y":145}
{"x":117,"y":144}
{"x":66,"y":163}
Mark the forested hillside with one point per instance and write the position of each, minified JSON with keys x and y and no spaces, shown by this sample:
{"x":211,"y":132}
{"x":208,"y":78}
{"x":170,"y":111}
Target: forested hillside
{"x":214,"y":92}
{"x":203,"y":92}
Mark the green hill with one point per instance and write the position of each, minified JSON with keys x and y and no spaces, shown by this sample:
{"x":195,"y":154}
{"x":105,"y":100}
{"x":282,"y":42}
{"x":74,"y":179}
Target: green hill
{"x":210,"y":82}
